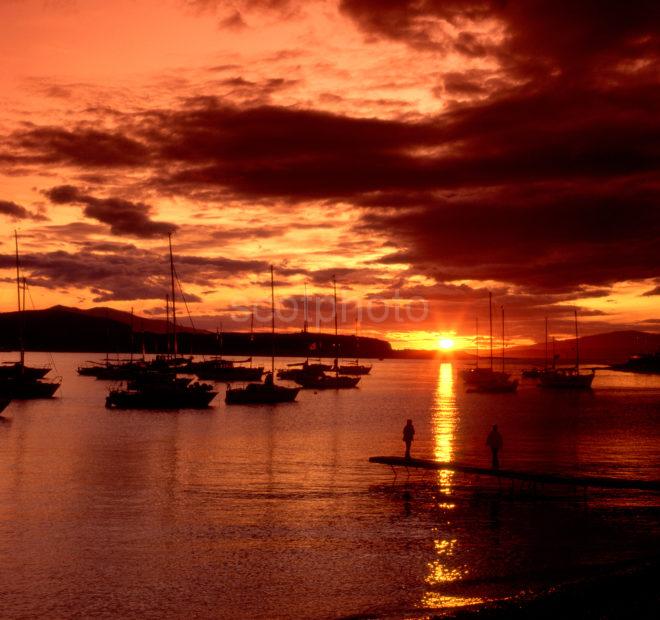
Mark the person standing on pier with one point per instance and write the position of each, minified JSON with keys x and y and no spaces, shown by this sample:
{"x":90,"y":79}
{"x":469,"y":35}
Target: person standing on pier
{"x":495,"y":443}
{"x":408,"y":435}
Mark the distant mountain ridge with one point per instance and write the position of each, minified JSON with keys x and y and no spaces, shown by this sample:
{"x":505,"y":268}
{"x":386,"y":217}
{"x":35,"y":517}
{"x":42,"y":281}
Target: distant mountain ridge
{"x":609,"y":347}
{"x":61,"y":328}
{"x":98,"y":329}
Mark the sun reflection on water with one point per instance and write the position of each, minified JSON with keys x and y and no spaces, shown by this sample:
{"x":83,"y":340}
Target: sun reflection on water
{"x":435,"y":600}
{"x":444,"y":422}
{"x":443,"y":568}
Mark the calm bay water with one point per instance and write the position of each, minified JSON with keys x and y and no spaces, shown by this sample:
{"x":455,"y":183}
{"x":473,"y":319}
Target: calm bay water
{"x":274,"y":512}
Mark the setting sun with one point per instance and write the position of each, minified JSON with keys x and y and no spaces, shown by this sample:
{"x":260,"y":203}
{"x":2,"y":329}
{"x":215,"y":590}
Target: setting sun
{"x":445,"y":344}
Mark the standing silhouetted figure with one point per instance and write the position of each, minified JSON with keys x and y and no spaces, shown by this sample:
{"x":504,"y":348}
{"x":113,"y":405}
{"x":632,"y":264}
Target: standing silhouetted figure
{"x":495,"y":443}
{"x":408,"y":435}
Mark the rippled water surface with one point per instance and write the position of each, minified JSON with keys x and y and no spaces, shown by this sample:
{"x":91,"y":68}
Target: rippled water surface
{"x":274,"y":512}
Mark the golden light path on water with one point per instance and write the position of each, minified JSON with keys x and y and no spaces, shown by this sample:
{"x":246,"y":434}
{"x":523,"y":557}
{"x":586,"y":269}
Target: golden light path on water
{"x":444,"y":422}
{"x":444,"y":417}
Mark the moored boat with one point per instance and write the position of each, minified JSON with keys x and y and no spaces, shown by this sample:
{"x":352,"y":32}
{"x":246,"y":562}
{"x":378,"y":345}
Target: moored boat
{"x":268,"y":392}
{"x":20,"y":381}
{"x":647,"y":363}
{"x":568,"y":378}
{"x":495,"y":386}
{"x":220,"y":369}
{"x":171,"y":395}
{"x":302,"y":370}
{"x":13,"y":370}
{"x":328,"y":382}
{"x":488,"y":380}
{"x":353,"y":368}
{"x":20,"y":389}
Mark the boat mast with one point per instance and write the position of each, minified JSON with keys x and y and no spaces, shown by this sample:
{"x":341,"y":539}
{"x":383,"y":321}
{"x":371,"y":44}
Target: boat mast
{"x":490,"y":321}
{"x":476,"y":341}
{"x":546,"y":343}
{"x":554,"y":356}
{"x":334,"y":291}
{"x":21,"y":344}
{"x":251,"y":337}
{"x":272,"y":323}
{"x":167,"y":324}
{"x":131,"y":355}
{"x":502,"y":308}
{"x":305,"y":319}
{"x":221,"y":339}
{"x":174,"y":344}
{"x":577,"y":344}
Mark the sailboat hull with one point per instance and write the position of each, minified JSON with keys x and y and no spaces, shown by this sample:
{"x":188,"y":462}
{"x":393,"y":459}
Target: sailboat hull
{"x":565,"y":380}
{"x":16,"y":371}
{"x":28,"y":390}
{"x":328,"y":382}
{"x":229,"y":374}
{"x":260,"y":394}
{"x":194,"y":397}
{"x":354,"y":370}
{"x":495,"y":387}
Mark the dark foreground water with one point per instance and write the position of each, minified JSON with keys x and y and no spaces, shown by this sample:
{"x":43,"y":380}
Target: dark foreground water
{"x":274,"y":512}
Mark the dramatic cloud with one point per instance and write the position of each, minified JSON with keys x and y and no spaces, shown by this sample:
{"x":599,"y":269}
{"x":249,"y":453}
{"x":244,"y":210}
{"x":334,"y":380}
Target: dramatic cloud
{"x":16,"y":211}
{"x":438,"y":147}
{"x":123,"y":216}
{"x":80,"y":147}
{"x":115,"y":274}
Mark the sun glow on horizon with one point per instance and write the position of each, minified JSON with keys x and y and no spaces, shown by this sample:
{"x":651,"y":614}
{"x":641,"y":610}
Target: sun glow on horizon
{"x":445,"y":344}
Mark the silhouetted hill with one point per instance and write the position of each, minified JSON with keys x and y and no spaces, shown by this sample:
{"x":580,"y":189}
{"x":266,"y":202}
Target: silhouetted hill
{"x":105,"y":329}
{"x":605,"y":348}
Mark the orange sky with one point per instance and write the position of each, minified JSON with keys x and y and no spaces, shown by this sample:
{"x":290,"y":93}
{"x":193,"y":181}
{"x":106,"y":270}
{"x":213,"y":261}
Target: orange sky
{"x":323,"y":137}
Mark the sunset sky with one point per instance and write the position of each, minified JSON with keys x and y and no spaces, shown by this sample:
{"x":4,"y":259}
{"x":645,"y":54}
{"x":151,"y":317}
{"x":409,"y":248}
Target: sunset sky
{"x":424,"y":151}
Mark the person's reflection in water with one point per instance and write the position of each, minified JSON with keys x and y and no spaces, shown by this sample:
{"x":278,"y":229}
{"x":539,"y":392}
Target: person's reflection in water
{"x":408,"y":435}
{"x":494,"y":515}
{"x":495,"y":443}
{"x":407,"y":496}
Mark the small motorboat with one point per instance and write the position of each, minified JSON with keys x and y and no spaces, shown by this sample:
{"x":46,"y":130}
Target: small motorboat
{"x":23,"y":389}
{"x":566,"y":378}
{"x":171,"y":395}
{"x":498,"y":386}
{"x":266,"y":393}
{"x":329,"y":382}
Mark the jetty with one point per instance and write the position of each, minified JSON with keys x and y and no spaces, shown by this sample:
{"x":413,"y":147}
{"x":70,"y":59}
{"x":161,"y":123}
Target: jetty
{"x":531,"y":477}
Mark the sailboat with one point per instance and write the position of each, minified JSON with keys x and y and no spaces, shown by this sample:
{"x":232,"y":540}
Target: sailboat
{"x":484,"y":376}
{"x":534,"y":372}
{"x":219,"y":369}
{"x":354,"y":367}
{"x":18,"y":380}
{"x":568,"y":378}
{"x":156,"y":386}
{"x":323,"y":381}
{"x":498,"y":382}
{"x":297,"y":371}
{"x":268,"y":392}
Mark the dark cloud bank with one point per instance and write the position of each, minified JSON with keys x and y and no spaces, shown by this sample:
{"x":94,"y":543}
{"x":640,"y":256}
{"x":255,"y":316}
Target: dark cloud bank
{"x":550,"y":184}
